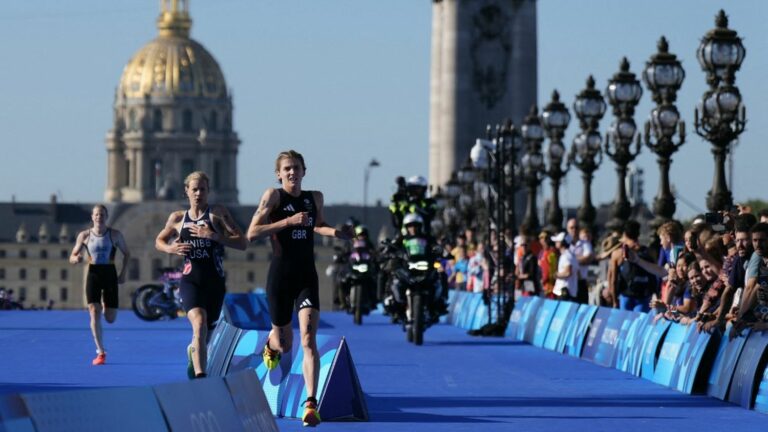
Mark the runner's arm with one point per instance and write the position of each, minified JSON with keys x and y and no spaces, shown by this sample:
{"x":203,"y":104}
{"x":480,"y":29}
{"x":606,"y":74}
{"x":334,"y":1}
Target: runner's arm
{"x":169,"y":232}
{"x":228,"y":233}
{"x":260,"y":224}
{"x":76,"y":256}
{"x":322,"y":227}
{"x":121,"y":245}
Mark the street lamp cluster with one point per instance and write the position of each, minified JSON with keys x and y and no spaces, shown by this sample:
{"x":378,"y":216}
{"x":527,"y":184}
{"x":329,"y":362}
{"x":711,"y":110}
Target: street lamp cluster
{"x":482,"y":193}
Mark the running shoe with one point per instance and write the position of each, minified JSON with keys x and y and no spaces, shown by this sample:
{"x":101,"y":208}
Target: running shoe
{"x":271,"y":357}
{"x":100,"y":359}
{"x":311,"y":417}
{"x":190,"y":365}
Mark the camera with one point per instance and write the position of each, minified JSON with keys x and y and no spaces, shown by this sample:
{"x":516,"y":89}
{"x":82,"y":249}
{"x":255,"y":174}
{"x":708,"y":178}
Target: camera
{"x":713,"y":218}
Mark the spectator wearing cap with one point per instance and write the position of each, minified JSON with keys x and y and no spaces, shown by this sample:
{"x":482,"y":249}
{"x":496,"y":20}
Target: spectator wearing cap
{"x":584,"y":252}
{"x":566,"y":283}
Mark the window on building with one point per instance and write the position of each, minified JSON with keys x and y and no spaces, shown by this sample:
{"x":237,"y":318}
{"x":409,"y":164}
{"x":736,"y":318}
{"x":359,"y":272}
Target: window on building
{"x":22,"y":294}
{"x":132,"y":120}
{"x":157,"y":172}
{"x":251,"y":276}
{"x":250,"y":256}
{"x":43,"y":274}
{"x":186,"y":120}
{"x":157,"y":265}
{"x":187,"y":166}
{"x":157,"y":120}
{"x":133,"y":269}
{"x":22,"y":253}
{"x":43,"y":294}
{"x":217,"y":173}
{"x":213,"y":121}
{"x":2,"y":273}
{"x":64,"y":254}
{"x":43,"y":254}
{"x":63,"y":294}
{"x":127,"y":173}
{"x":22,"y":274}
{"x":64,"y":274}
{"x":2,"y":253}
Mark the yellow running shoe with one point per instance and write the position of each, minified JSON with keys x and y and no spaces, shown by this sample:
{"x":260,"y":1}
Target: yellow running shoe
{"x":311,"y":417}
{"x":271,"y":357}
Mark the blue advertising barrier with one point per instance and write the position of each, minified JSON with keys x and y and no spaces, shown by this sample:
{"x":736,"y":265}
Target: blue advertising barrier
{"x":609,"y":339}
{"x":628,"y":333}
{"x":516,"y":317}
{"x":595,"y":334}
{"x":14,"y":416}
{"x":112,"y":408}
{"x":744,"y":377}
{"x":637,"y":347}
{"x":564,"y":314}
{"x":577,"y":330}
{"x":686,"y":372}
{"x":466,"y":315}
{"x":196,"y":405}
{"x":250,"y":403}
{"x":248,"y":311}
{"x":526,"y":331}
{"x":221,"y":346}
{"x":543,"y":320}
{"x":761,"y":400}
{"x":456,"y":301}
{"x":725,"y":364}
{"x":284,"y":386}
{"x":651,"y":347}
{"x":670,"y":349}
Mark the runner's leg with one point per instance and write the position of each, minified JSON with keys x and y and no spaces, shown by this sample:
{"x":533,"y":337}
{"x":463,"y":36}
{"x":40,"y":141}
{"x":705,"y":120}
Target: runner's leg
{"x":198,"y":318}
{"x":308,"y":321}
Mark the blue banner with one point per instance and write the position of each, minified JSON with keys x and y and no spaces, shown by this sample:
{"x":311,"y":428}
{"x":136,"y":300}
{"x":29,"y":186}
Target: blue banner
{"x":543,"y":319}
{"x":670,"y":350}
{"x":746,"y":373}
{"x":82,"y":409}
{"x":577,"y":330}
{"x":609,"y":339}
{"x":686,"y":372}
{"x":14,"y":415}
{"x":515,"y":319}
{"x":637,"y":347}
{"x":630,"y":330}
{"x":248,"y":311}
{"x":249,"y":400}
{"x":196,"y":405}
{"x":725,"y":363}
{"x":761,"y":401}
{"x":564,"y":314}
{"x":651,"y":347}
{"x":526,"y":330}
{"x":595,"y":334}
{"x":220,"y":347}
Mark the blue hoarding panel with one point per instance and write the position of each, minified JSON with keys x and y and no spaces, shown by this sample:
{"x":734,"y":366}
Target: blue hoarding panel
{"x":670,"y":350}
{"x":761,"y":400}
{"x":203,"y":404}
{"x":82,"y":409}
{"x":565,"y":313}
{"x":595,"y":333}
{"x":221,"y":346}
{"x":629,"y":333}
{"x":652,"y":344}
{"x":14,"y":416}
{"x":247,"y":311}
{"x":745,"y":374}
{"x":725,"y":363}
{"x":692,"y":351}
{"x":578,"y":328}
{"x":457,"y":303}
{"x":637,"y":349}
{"x":250,"y":403}
{"x":609,"y":339}
{"x":543,"y":319}
{"x":525,"y":331}
{"x":515,"y":319}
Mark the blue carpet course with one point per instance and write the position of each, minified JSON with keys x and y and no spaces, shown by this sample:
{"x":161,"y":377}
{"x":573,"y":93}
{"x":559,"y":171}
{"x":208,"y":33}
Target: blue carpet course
{"x":454,"y":382}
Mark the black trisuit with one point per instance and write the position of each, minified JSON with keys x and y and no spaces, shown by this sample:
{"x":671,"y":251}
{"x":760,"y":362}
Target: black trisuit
{"x":202,"y":280}
{"x":292,"y":281}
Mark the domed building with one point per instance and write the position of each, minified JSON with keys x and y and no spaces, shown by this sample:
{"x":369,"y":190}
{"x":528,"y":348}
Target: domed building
{"x":172,"y":116}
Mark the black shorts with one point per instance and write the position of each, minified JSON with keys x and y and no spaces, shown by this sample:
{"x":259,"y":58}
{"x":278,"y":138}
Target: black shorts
{"x":291,"y":285}
{"x":204,"y":291}
{"x":101,"y":285}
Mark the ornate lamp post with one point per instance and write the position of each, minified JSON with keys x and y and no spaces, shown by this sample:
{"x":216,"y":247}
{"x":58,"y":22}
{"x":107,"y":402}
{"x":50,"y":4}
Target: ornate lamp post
{"x":624,"y":93}
{"x":664,"y":75}
{"x":532,"y":165}
{"x":555,"y":119}
{"x":450,"y":212}
{"x":372,"y":164}
{"x":585,"y":152}
{"x":722,"y":115}
{"x":466,"y":177}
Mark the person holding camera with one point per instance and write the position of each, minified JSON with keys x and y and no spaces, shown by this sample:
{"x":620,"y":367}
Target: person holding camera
{"x":632,"y":285}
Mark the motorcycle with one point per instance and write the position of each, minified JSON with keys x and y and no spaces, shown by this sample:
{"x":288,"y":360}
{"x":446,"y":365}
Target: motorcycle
{"x":152,"y":302}
{"x":359,"y":283}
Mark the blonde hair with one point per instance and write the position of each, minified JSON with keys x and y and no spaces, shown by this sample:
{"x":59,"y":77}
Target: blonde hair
{"x":197,"y":175}
{"x":289,"y":154}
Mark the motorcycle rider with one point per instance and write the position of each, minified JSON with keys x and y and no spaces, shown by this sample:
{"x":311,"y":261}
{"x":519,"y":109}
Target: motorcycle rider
{"x":398,"y":204}
{"x":416,"y":201}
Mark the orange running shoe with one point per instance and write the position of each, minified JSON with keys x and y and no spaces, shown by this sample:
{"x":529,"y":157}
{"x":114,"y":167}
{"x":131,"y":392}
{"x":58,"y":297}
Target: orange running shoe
{"x":100,"y":359}
{"x":311,"y":417}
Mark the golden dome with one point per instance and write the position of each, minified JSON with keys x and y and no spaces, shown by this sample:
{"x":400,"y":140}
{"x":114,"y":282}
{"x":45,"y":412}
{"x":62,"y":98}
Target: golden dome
{"x":173,"y":64}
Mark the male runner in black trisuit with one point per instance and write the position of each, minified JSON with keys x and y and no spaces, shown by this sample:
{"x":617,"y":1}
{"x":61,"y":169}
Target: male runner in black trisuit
{"x":201,"y":234}
{"x":291,"y":217}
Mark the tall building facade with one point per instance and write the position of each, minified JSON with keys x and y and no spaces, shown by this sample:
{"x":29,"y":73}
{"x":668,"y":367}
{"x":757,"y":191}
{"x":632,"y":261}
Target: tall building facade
{"x":172,"y":116}
{"x":483,"y":70}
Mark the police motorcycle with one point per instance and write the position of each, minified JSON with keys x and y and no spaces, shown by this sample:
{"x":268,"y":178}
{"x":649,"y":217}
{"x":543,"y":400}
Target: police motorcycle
{"x":360,"y":281}
{"x":415,"y":298}
{"x":152,"y":302}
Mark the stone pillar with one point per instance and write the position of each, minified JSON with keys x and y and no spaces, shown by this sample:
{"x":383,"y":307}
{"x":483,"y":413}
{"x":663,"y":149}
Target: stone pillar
{"x":435,"y":91}
{"x":115,"y":167}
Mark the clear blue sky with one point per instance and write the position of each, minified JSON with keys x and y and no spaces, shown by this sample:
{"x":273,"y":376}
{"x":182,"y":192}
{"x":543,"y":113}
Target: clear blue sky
{"x":342,"y":81}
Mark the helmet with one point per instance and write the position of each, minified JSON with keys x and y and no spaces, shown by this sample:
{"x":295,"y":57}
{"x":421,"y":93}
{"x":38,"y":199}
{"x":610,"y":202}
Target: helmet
{"x":361,"y":230}
{"x":412,"y":218}
{"x":416,"y":181}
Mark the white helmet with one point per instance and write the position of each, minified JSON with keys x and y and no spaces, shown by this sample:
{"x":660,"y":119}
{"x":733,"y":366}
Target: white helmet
{"x":412,"y":218}
{"x":419,"y":181}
